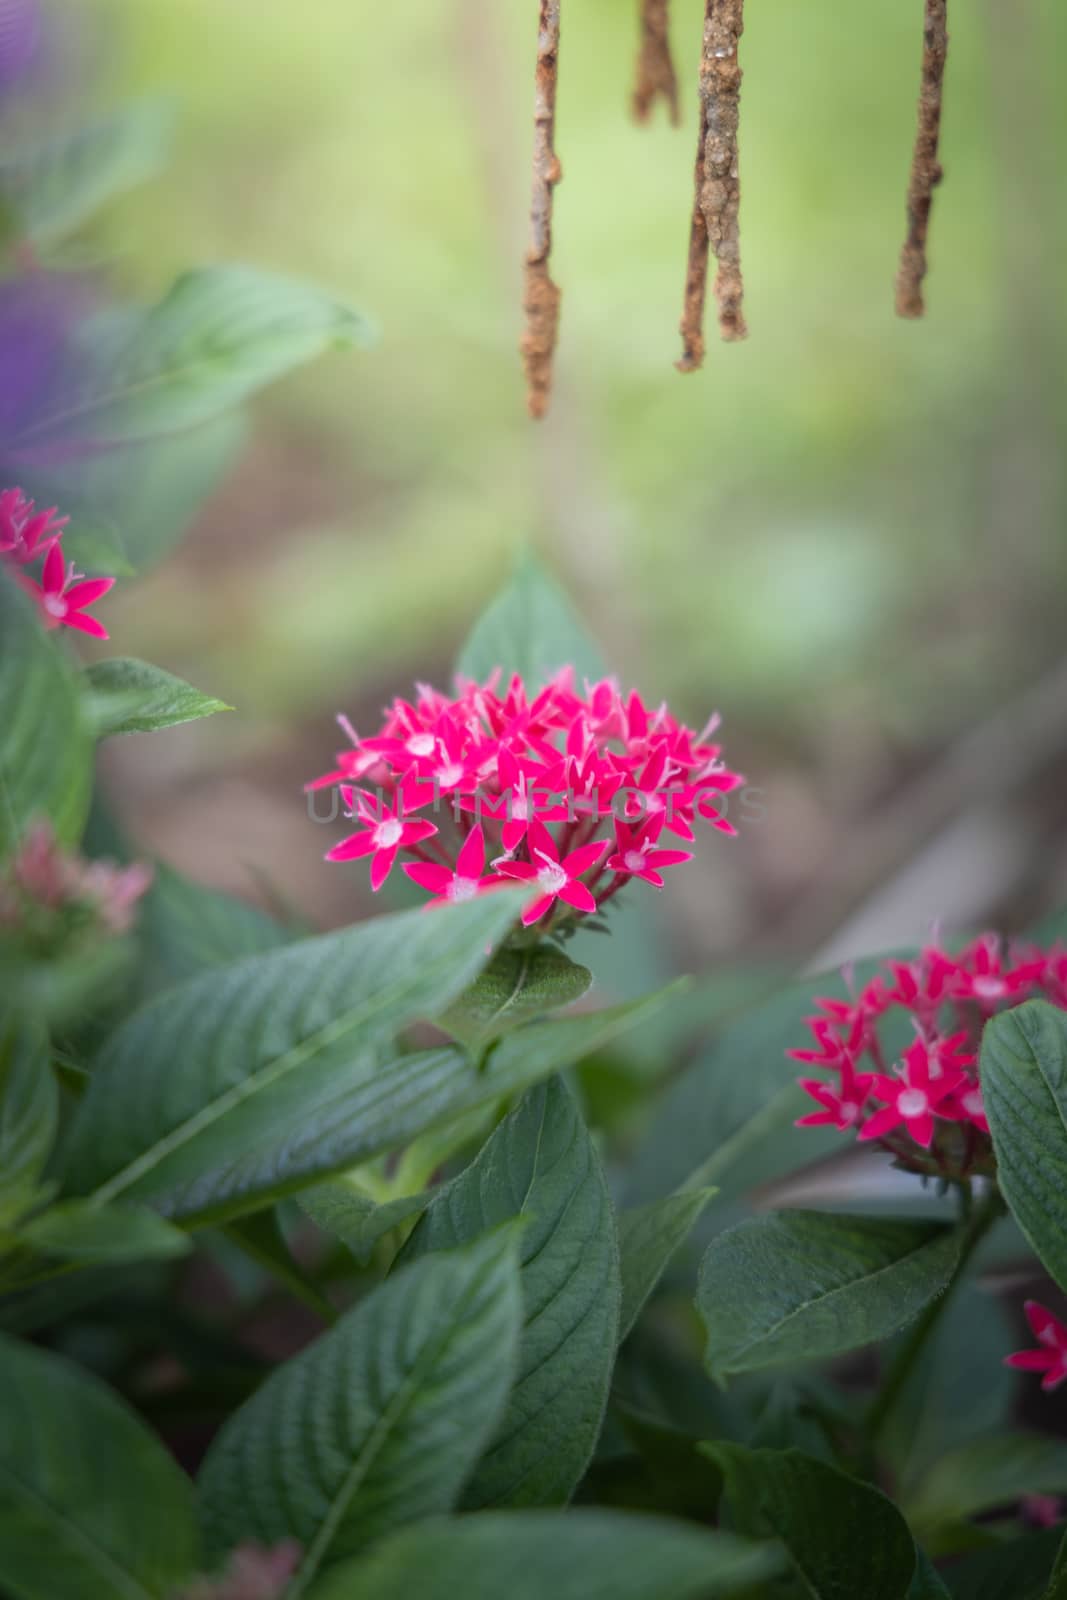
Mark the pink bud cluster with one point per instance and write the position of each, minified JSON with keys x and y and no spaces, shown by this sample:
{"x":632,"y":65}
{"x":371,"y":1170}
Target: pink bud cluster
{"x":44,"y":878}
{"x":569,"y":792}
{"x":926,"y":1107}
{"x":61,"y":594}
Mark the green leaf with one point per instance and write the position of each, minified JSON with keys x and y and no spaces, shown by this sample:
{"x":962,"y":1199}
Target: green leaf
{"x":540,"y":1165}
{"x":530,"y":628}
{"x":185,"y":928}
{"x":515,"y":987}
{"x":258,"y":1038}
{"x":843,"y":1538}
{"x":805,"y":1285}
{"x":649,"y":1237}
{"x":1018,"y":1569}
{"x":342,"y":1211}
{"x":729,"y":1120}
{"x":45,"y":743}
{"x":378,"y":1422}
{"x":51,"y":189}
{"x":577,"y":1555}
{"x":1024,"y":1085}
{"x":29,"y":1109}
{"x":325,"y":1117}
{"x":927,"y":1583}
{"x":219,"y":335}
{"x":79,"y":1230}
{"x":91,"y":1505}
{"x":988,"y":1473}
{"x":128,"y":696}
{"x":957,"y":1390}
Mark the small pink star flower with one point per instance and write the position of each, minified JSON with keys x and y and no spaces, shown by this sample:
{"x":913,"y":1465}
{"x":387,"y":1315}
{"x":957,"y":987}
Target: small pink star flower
{"x":913,"y":1096}
{"x":636,"y":855}
{"x":557,"y":880}
{"x":465,"y":882}
{"x":386,"y":832}
{"x":1051,"y":1355}
{"x":842,"y":1107}
{"x":62,"y":599}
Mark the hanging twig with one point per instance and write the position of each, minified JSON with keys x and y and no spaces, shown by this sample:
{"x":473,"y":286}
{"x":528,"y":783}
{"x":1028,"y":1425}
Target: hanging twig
{"x":542,"y":296}
{"x":718,"y":187}
{"x":925,"y":168}
{"x":655,"y":68}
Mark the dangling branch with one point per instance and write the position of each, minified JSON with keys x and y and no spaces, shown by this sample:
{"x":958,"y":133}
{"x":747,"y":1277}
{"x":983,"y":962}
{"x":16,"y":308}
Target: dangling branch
{"x":925,"y":168}
{"x":655,"y":67}
{"x":715,"y":224}
{"x":542,"y":296}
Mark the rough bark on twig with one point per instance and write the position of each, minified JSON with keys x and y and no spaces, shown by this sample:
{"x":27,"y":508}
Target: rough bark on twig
{"x":716,"y":212}
{"x":542,"y":297}
{"x":925,"y":168}
{"x":655,"y":66}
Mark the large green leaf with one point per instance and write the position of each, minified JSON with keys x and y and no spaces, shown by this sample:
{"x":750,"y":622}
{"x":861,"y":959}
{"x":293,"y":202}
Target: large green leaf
{"x":957,"y":1390}
{"x":843,"y":1539}
{"x":540,"y":1165}
{"x":45,"y":742}
{"x":1017,"y":1569}
{"x":649,"y":1237}
{"x":379,"y":1422}
{"x":184,"y":927}
{"x":219,"y":335}
{"x":199,"y":1076}
{"x":530,"y":628}
{"x":984,"y":1474}
{"x":729,"y":1120}
{"x":1024,"y":1084}
{"x":50,"y":189}
{"x":91,"y":1506}
{"x":796,"y":1286}
{"x":516,"y":986}
{"x":128,"y":696}
{"x":325,"y":1118}
{"x":578,"y":1555}
{"x":29,"y":1109}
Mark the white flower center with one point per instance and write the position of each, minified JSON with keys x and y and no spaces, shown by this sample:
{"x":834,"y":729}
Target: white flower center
{"x":913,"y":1103}
{"x":972,"y":1102}
{"x":990,"y":988}
{"x":55,"y":605}
{"x":447,"y":776}
{"x":520,"y":808}
{"x":849,"y":1111}
{"x":462,"y":889}
{"x":552,"y":878}
{"x":421,"y":744}
{"x":634,"y":861}
{"x":387,"y":833}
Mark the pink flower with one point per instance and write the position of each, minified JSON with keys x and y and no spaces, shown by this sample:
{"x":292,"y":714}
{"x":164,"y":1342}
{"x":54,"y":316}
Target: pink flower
{"x":841,"y":1107}
{"x":25,"y":533}
{"x":62,"y":599}
{"x":1051,"y":1355}
{"x":557,"y":880}
{"x":462,"y":884}
{"x":913,"y":1096}
{"x":386,"y":833}
{"x":551,"y":781}
{"x":635,"y":855}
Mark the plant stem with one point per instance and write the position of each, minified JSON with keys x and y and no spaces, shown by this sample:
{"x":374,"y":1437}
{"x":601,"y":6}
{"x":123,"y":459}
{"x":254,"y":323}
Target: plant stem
{"x":977,"y":1223}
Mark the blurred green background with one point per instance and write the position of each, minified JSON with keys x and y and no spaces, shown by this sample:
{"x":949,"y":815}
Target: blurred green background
{"x":846,"y":534}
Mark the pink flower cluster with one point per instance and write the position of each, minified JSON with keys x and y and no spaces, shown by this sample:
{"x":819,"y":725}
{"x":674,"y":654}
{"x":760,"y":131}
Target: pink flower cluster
{"x":44,"y":878}
{"x":926,"y":1107}
{"x":61,"y":594}
{"x":254,"y":1572}
{"x":570,"y":793}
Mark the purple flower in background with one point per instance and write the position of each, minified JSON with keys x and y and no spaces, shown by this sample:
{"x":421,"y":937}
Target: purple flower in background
{"x":20,"y":38}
